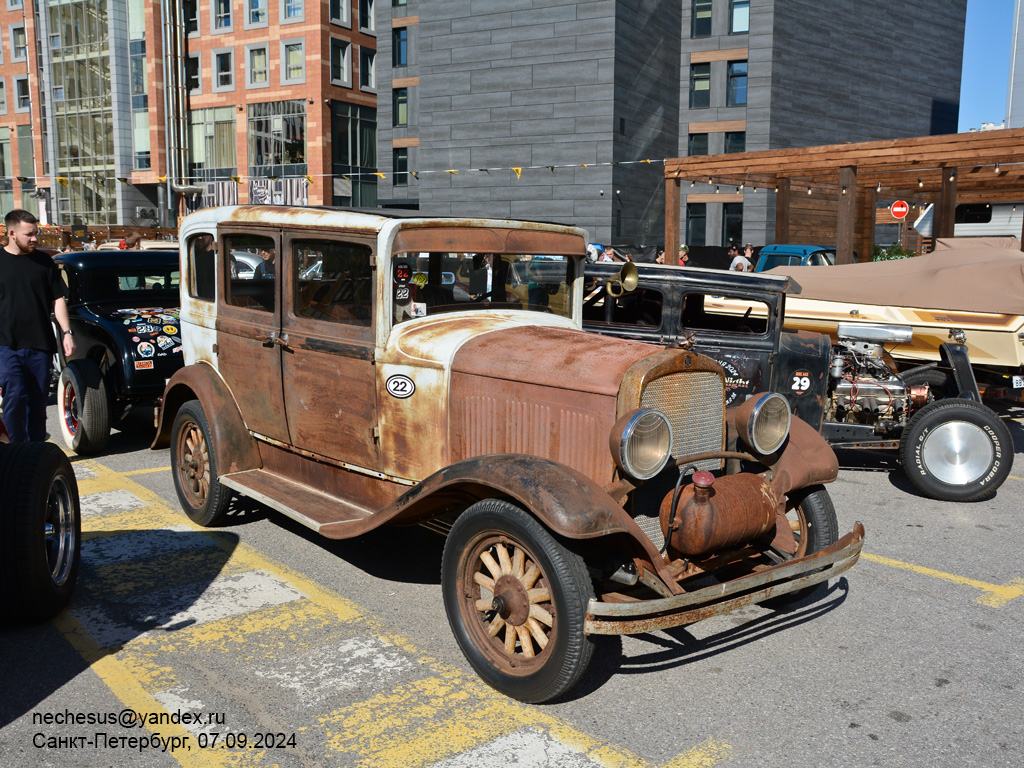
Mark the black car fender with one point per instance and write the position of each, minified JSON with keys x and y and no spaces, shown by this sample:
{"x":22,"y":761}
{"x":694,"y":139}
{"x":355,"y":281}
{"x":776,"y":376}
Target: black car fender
{"x":957,"y":358}
{"x":800,"y":372}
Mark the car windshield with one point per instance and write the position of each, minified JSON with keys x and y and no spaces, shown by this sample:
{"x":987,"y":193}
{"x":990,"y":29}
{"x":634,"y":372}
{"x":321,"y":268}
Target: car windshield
{"x":428,"y":283}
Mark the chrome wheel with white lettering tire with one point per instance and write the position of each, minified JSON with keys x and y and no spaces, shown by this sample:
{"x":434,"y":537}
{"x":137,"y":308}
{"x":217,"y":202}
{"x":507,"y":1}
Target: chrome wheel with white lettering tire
{"x":40,"y":532}
{"x":516,"y":600}
{"x":956,"y":450}
{"x":83,"y":404}
{"x":202,"y":496}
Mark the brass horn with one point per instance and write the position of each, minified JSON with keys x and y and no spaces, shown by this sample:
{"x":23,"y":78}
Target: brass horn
{"x":625,"y":282}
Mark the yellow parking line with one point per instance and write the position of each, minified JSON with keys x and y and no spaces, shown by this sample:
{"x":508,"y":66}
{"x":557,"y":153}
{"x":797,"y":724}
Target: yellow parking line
{"x":145,"y":471}
{"x":1015,"y":477}
{"x":995,"y":594}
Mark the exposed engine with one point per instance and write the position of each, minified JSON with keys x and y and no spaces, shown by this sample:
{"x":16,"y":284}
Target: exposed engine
{"x":864,"y":388}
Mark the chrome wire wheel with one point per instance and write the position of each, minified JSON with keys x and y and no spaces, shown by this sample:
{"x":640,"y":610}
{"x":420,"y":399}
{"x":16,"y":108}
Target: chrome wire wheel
{"x":60,"y":531}
{"x":506,"y":589}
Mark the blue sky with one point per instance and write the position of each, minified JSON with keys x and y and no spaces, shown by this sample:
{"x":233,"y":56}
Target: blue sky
{"x":986,"y":62}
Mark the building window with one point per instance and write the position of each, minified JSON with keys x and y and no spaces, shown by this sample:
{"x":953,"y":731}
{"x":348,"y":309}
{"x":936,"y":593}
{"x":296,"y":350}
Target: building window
{"x":739,"y":17}
{"x":400,"y":47}
{"x":400,"y":167}
{"x":696,"y":224}
{"x":224,"y":69}
{"x":194,"y":73}
{"x":23,"y":102}
{"x":367,"y":69}
{"x":277,"y":139}
{"x":736,"y":96}
{"x":700,"y":86}
{"x":137,"y":74}
{"x":400,"y":106}
{"x":341,"y":12}
{"x":19,"y":49}
{"x":14,"y":5}
{"x":700,"y":18}
{"x":354,"y":154}
{"x":397,"y":3}
{"x":732,"y":223}
{"x":213,"y":153}
{"x":697,"y":145}
{"x":3,"y":96}
{"x":292,"y":10}
{"x":190,"y":10}
{"x":256,"y":15}
{"x":221,"y":10}
{"x":140,"y":140}
{"x":256,"y":66}
{"x":341,"y":63}
{"x":735,"y":141}
{"x":293,"y":62}
{"x":366,"y":15}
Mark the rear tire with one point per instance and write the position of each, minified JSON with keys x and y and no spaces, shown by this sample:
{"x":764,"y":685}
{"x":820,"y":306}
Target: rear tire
{"x":40,"y":532}
{"x":83,"y":405}
{"x":203,"y":498}
{"x":956,"y":450}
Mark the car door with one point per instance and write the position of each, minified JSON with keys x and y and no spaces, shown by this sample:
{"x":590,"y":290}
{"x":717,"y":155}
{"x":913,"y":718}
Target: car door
{"x":249,"y":332}
{"x":328,"y":347}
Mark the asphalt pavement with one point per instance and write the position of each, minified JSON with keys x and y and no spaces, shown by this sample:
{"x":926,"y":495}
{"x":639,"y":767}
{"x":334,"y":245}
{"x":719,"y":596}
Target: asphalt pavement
{"x":259,"y":643}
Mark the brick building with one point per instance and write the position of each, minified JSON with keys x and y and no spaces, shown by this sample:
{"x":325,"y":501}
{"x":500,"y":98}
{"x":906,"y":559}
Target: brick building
{"x":134,"y":112}
{"x":563,"y":102}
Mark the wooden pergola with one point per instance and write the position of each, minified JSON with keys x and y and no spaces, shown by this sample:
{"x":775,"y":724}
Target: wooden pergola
{"x":985,"y":166}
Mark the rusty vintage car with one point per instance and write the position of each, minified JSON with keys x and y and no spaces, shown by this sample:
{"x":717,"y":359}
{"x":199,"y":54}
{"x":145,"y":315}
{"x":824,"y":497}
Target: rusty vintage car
{"x":402,"y":370}
{"x":950,"y":445}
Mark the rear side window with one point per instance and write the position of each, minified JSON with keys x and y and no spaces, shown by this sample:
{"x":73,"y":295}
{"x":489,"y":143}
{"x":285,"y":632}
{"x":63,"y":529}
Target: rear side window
{"x":639,"y":308}
{"x":255,"y":289}
{"x":724,"y":314}
{"x":202,"y":259}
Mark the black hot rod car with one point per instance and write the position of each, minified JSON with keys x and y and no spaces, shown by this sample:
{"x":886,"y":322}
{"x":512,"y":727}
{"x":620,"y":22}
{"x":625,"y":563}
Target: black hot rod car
{"x":950,"y":445}
{"x":123,"y":307}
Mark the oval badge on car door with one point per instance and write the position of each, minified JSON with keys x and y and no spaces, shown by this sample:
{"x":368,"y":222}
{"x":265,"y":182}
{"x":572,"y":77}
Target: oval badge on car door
{"x":400,"y":386}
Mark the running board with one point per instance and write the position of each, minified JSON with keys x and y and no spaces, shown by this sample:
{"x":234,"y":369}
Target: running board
{"x":324,"y":513}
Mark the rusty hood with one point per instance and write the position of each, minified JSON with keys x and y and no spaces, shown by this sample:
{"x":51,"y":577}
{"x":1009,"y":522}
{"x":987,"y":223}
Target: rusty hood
{"x":556,"y":357}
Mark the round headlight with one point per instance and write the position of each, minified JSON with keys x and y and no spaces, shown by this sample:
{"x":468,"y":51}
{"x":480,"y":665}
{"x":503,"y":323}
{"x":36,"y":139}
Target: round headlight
{"x":641,"y":443}
{"x":767,"y":426}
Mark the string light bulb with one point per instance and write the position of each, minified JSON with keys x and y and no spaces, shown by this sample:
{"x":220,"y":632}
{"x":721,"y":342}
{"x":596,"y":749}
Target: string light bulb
{"x":808,"y":190}
{"x":844,"y":189}
{"x":997,"y":167}
{"x":879,"y":187}
{"x":920,"y":183}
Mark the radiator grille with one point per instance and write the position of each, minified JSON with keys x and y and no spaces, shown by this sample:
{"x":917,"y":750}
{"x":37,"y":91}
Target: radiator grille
{"x":694,"y":403}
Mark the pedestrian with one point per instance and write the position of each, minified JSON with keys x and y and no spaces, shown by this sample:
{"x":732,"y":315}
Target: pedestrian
{"x":684,"y":254}
{"x":265,"y":270}
{"x":30,"y":289}
{"x":739,"y":263}
{"x":133,"y":242}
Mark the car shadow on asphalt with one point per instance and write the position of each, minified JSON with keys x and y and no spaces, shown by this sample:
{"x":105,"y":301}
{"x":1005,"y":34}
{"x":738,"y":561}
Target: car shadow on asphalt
{"x":678,"y":647}
{"x":130,"y":582}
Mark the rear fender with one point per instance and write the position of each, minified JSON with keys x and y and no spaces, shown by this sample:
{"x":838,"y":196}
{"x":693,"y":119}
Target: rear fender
{"x":234,"y":447}
{"x":957,"y":358}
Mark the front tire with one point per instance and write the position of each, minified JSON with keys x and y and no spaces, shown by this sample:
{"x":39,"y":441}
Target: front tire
{"x":203,"y":498}
{"x":83,"y":404}
{"x":812,"y":517}
{"x":40,"y":532}
{"x":516,"y":600}
{"x":956,"y":450}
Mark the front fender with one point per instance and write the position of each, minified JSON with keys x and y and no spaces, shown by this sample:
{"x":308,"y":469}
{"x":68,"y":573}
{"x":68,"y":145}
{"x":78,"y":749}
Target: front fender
{"x":806,"y":459}
{"x":566,"y":501}
{"x":234,"y":448}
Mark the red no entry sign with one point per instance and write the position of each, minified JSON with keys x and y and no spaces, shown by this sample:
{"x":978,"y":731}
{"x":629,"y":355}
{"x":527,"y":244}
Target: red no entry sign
{"x":899,"y":209}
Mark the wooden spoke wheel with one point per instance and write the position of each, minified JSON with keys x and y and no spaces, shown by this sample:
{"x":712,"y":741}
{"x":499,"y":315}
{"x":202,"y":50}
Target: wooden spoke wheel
{"x":201,"y":495}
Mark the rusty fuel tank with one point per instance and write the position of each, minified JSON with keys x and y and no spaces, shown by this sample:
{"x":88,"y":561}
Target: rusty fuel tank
{"x":714,"y":514}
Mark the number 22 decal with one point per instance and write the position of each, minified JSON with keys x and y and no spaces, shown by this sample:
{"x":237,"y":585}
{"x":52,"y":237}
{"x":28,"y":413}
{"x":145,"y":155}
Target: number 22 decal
{"x":400,"y":386}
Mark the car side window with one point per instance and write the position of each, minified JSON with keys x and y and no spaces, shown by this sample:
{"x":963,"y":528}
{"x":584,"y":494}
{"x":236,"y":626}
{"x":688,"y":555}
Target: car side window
{"x":333,"y":281}
{"x":258,"y":290}
{"x":727,"y":314}
{"x":202,"y":258}
{"x":640,"y":308}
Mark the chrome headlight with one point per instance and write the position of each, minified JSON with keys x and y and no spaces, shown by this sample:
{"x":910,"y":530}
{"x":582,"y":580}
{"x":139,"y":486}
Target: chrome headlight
{"x":641,"y":442}
{"x":763,"y":422}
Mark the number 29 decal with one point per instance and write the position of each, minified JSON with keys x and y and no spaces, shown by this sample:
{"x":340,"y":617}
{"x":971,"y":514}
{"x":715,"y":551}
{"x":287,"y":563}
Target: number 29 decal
{"x":400,"y":386}
{"x":801,"y":382}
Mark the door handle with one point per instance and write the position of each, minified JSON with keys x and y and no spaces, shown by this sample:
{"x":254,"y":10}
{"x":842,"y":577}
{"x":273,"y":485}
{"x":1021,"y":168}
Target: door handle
{"x":282,"y":341}
{"x":270,"y":340}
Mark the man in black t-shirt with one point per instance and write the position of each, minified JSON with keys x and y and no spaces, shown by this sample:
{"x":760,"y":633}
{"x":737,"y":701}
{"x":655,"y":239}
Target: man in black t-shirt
{"x":30,"y":288}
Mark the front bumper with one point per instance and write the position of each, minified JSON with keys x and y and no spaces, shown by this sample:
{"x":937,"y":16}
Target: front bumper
{"x":663,"y":613}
